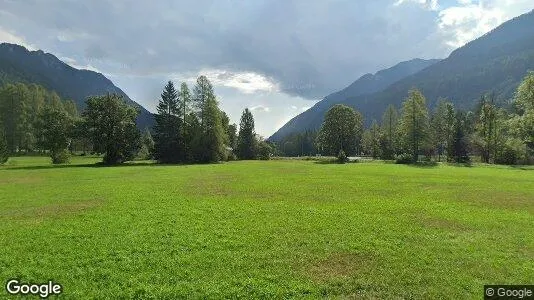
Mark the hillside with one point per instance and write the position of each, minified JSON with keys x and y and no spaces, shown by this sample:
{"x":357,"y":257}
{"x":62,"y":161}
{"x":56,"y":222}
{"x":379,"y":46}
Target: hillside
{"x":17,"y":64}
{"x":495,"y":62}
{"x":367,"y":84}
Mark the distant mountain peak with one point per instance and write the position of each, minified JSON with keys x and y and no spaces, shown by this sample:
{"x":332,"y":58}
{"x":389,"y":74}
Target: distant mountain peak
{"x":18,"y":64}
{"x":366,"y":84}
{"x":495,"y":62}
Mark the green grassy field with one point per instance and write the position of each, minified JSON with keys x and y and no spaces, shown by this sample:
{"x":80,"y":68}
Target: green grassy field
{"x":266,"y":229}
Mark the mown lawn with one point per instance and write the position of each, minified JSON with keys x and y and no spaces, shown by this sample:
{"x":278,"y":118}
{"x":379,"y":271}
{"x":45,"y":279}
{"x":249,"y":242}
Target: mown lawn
{"x":266,"y":229}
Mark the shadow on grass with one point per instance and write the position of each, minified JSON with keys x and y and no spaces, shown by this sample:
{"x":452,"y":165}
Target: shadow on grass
{"x":523,"y":167}
{"x":102,"y":165}
{"x":424,"y":164}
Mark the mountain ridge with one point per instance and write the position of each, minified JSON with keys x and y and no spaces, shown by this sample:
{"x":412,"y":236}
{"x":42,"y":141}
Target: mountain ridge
{"x":366,"y":84}
{"x":495,"y":62}
{"x":18,"y":64}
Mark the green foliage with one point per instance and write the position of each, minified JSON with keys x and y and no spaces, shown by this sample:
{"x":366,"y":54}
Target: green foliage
{"x":147,"y":146}
{"x":18,"y":65}
{"x":341,"y":130}
{"x":371,"y":141}
{"x":342,"y":157}
{"x":404,"y":158}
{"x":389,"y":142}
{"x":169,"y":145}
{"x":264,"y":150}
{"x":299,"y":144}
{"x":524,"y":101}
{"x":212,"y":141}
{"x":513,"y":151}
{"x":459,"y":148}
{"x":61,"y":156}
{"x":246,"y":141}
{"x":414,"y":123}
{"x":55,"y":132}
{"x":4,"y":151}
{"x":111,"y":126}
{"x":442,"y":127}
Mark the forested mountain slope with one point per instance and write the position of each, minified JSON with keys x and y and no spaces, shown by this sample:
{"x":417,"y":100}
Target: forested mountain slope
{"x":367,"y":84}
{"x":493,"y":63}
{"x":17,"y":64}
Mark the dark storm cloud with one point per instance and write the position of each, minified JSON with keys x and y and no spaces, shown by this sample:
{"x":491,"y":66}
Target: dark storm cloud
{"x":310,"y":48}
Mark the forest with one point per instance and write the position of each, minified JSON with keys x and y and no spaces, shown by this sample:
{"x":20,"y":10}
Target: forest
{"x":191,"y":128}
{"x":490,"y":133}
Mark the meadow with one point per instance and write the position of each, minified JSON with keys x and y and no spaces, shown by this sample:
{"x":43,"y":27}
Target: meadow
{"x":266,"y":229}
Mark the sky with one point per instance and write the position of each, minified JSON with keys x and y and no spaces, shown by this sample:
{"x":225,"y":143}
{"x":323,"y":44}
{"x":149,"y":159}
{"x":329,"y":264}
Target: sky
{"x":276,"y":57}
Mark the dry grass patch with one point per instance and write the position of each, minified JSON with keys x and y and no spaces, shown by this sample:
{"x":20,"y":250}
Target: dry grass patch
{"x":440,"y":223}
{"x":21,"y":180}
{"x":340,"y":265}
{"x":51,"y":210}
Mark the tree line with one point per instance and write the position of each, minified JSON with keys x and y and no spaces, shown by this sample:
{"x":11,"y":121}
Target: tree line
{"x":413,"y":133}
{"x":190,"y":127}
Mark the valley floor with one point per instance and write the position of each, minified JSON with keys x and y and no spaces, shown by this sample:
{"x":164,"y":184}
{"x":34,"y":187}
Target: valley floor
{"x":266,"y":229}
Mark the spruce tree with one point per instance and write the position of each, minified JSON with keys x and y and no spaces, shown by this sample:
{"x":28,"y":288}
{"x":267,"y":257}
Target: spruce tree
{"x":168,"y":145}
{"x":246,"y":144}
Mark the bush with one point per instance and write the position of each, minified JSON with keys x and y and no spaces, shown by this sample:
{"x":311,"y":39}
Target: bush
{"x":144,"y":153}
{"x":4,"y":152}
{"x":60,"y":156}
{"x":231,"y":156}
{"x":404,"y":158}
{"x":513,"y":151}
{"x":342,"y":157}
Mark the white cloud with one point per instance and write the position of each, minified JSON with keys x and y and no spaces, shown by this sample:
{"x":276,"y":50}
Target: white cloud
{"x":305,"y":108}
{"x":427,"y":4}
{"x":260,"y":108}
{"x":9,"y":37}
{"x":69,"y":35}
{"x":75,"y":64}
{"x":245,"y":82}
{"x":469,"y":19}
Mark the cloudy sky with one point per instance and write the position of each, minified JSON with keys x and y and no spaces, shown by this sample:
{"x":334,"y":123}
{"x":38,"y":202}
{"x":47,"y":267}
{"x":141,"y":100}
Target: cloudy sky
{"x":277,"y":57}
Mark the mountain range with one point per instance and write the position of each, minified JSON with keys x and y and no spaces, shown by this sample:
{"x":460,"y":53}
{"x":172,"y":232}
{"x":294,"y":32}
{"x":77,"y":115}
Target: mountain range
{"x":18,"y":64}
{"x":494,"y":63}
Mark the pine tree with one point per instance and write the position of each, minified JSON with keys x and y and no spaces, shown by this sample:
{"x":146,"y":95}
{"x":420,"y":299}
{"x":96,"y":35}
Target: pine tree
{"x":246,"y":142}
{"x":414,"y":123}
{"x":168,"y":144}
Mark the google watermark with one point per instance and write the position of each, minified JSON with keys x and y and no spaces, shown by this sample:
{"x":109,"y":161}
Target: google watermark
{"x":525,"y":292}
{"x":16,"y":287}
